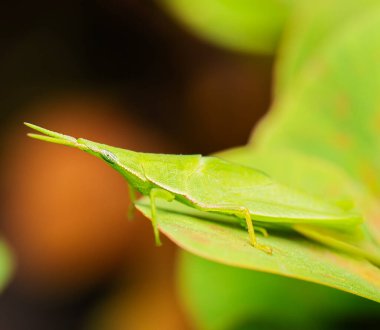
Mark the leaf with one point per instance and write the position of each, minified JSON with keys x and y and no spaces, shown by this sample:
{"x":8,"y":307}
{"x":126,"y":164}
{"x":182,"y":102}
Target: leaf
{"x":293,"y":256}
{"x":219,"y":297}
{"x":331,"y":110}
{"x":6,"y":264}
{"x":243,"y":25}
{"x":310,"y":27}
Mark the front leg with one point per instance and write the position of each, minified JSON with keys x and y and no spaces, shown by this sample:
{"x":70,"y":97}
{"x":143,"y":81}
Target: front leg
{"x":153,"y":194}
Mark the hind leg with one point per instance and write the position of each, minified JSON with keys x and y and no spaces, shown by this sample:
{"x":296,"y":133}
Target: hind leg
{"x":241,"y":212}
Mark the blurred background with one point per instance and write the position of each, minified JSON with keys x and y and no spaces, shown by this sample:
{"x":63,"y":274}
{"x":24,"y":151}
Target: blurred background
{"x":173,"y":76}
{"x":127,"y":73}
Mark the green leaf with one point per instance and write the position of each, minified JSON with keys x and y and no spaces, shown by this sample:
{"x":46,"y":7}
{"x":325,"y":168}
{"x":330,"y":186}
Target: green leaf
{"x":219,"y":297}
{"x":293,"y":256}
{"x":310,"y":27}
{"x":6,"y":264}
{"x":243,"y":25}
{"x":331,"y":110}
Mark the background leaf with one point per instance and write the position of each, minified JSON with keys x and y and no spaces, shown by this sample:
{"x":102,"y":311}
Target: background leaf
{"x":309,"y":27}
{"x":331,"y":110}
{"x":243,"y":25}
{"x":222,"y":297}
{"x":6,"y":264}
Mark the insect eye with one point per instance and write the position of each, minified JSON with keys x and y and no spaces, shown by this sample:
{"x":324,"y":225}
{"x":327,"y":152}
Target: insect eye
{"x":108,"y":156}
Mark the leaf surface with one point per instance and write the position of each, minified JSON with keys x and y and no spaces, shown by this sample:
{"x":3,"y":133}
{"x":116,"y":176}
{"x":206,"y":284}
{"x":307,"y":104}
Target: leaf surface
{"x":293,"y":255}
{"x":219,"y":297}
{"x":310,"y":27}
{"x":331,"y":111}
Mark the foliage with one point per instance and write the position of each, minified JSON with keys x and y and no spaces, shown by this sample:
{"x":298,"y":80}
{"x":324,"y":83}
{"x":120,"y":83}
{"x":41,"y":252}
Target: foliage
{"x":6,"y":264}
{"x":243,"y":25}
{"x":222,"y":297}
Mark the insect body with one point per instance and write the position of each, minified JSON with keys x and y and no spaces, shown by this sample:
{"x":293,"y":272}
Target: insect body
{"x":211,"y":184}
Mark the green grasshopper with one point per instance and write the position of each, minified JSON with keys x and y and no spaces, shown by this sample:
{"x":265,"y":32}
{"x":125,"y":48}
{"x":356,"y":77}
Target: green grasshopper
{"x":211,"y":184}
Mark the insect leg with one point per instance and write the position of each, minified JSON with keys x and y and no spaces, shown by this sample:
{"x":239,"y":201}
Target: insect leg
{"x":158,"y":193}
{"x":131,"y":206}
{"x":252,"y":237}
{"x":263,"y":231}
{"x":241,"y":212}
